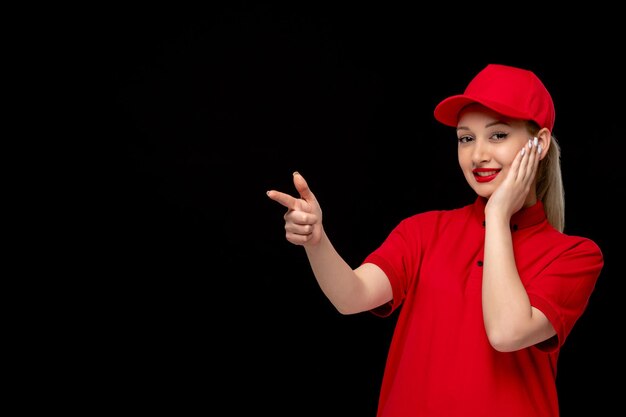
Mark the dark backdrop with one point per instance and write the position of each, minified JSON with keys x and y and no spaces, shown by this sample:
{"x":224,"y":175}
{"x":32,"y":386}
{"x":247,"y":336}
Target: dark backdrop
{"x":208,"y":305}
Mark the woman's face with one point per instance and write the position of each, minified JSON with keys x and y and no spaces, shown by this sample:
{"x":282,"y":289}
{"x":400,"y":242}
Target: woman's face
{"x":488,"y":143}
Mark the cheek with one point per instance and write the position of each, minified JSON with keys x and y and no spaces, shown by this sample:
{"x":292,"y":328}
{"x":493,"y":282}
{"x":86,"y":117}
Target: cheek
{"x":465,"y":158}
{"x":505,"y":156}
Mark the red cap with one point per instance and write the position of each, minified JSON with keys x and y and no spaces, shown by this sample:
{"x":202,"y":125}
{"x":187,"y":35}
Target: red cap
{"x":510,"y":91}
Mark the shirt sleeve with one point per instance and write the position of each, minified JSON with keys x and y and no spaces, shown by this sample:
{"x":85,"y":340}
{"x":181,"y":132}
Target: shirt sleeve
{"x":399,"y":256}
{"x":563,"y":288}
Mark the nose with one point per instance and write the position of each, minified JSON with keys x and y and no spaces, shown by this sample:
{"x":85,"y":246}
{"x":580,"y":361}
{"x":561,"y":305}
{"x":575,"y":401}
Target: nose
{"x":480,"y":152}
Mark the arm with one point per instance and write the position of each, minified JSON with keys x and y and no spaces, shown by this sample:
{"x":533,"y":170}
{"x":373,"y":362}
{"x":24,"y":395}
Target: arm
{"x":511,"y":322}
{"x":350,"y":291}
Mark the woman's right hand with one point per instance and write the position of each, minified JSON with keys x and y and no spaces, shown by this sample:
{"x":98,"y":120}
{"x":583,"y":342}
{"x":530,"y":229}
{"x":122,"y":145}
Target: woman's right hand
{"x":303,"y":219}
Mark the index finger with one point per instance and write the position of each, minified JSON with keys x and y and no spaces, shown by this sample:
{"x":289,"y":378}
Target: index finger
{"x":283,"y":198}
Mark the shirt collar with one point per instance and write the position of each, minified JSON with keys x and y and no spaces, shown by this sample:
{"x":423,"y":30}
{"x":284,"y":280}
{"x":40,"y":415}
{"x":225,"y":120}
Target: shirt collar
{"x":526,"y":217}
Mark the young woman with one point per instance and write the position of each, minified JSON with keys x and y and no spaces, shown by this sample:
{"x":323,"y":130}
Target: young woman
{"x":489,"y":291}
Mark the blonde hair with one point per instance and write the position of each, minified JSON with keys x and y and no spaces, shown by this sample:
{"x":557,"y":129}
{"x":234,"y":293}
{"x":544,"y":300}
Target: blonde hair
{"x":550,"y":189}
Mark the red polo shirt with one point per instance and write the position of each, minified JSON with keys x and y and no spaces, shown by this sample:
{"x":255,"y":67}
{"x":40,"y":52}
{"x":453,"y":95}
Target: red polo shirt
{"x":440,"y":362}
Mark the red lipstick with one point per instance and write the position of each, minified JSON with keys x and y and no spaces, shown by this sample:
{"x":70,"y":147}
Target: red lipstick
{"x":485,"y":174}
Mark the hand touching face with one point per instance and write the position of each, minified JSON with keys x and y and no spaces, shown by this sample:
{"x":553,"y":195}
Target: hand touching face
{"x":496,"y":159}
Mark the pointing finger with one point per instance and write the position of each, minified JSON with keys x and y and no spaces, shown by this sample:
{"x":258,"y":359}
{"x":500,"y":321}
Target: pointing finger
{"x":283,"y":198}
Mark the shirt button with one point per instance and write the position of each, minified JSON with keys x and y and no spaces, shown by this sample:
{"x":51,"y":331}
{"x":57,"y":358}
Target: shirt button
{"x":514,"y":227}
{"x":484,"y":223}
{"x":479,"y":263}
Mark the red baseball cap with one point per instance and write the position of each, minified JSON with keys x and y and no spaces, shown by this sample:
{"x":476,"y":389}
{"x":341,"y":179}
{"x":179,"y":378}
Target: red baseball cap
{"x":510,"y":91}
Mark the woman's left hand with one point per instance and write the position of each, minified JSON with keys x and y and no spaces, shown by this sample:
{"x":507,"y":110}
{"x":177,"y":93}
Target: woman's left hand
{"x":510,"y":196}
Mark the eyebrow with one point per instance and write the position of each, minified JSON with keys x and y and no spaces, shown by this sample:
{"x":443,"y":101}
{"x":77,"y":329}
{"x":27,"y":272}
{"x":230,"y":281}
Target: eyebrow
{"x":497,"y":122}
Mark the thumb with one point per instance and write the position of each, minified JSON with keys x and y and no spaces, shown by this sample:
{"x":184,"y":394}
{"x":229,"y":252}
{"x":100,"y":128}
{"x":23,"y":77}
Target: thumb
{"x":302,"y":187}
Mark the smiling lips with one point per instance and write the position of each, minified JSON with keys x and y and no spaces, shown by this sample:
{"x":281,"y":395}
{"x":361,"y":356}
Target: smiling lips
{"x":485,"y":174}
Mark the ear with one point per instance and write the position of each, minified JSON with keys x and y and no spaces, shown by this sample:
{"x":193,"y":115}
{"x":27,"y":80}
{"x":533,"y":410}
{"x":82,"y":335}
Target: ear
{"x":544,"y":137}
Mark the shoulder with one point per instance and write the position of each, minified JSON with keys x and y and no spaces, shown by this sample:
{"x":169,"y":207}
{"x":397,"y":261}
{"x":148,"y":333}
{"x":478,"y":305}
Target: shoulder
{"x":436,"y":223}
{"x":437,"y":216}
{"x":441,"y":213}
{"x":574,"y":242}
{"x":579,"y":251}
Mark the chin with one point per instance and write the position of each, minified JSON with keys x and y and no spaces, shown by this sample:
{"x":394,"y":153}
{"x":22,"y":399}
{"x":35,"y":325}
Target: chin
{"x":482,"y":191}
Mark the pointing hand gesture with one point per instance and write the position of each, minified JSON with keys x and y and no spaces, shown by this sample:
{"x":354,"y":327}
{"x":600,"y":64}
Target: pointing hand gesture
{"x":303,"y":219}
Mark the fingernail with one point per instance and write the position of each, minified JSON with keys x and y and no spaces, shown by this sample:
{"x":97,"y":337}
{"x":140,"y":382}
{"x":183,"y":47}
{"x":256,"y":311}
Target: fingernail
{"x":296,"y":173}
{"x":535,"y":141}
{"x":523,"y":151}
{"x":539,"y":149}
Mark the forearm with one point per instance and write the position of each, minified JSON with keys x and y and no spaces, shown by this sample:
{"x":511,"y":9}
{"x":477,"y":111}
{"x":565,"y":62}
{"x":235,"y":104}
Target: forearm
{"x":335,"y":277}
{"x":507,"y":311}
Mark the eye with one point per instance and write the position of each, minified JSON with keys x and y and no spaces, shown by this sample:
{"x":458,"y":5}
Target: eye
{"x":465,"y":139}
{"x":499,"y":136}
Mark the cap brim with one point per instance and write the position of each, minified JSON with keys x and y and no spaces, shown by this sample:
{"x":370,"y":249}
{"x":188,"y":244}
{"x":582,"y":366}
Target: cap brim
{"x":447,"y":111}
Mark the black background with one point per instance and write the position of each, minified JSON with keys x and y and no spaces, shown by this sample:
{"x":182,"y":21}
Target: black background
{"x":208,"y":306}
